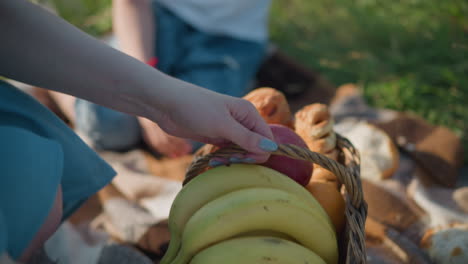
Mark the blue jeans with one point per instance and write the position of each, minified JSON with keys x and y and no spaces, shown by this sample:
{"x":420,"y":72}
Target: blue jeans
{"x":219,"y":63}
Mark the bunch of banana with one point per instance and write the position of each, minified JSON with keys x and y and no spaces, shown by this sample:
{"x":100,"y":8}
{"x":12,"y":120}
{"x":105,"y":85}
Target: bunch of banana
{"x":248,"y":214}
{"x":254,"y":249}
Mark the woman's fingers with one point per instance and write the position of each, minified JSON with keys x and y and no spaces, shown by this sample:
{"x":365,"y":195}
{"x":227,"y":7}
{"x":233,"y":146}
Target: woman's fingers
{"x":248,"y":130}
{"x":247,"y":115}
{"x":258,"y":146}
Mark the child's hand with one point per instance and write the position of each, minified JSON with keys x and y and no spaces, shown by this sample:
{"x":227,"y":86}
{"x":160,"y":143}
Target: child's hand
{"x":214,"y":118}
{"x":161,"y":142}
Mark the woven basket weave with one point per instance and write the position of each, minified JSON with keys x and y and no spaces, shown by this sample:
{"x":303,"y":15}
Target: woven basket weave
{"x":352,"y":243}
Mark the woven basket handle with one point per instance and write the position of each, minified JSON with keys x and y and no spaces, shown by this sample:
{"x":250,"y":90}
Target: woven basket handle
{"x":349,"y":176}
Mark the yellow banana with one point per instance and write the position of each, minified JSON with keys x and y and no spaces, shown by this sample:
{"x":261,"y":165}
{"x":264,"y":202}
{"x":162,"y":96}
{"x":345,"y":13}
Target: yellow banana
{"x":221,"y":180}
{"x":257,"y":209}
{"x":256,"y":250}
{"x":267,"y":233}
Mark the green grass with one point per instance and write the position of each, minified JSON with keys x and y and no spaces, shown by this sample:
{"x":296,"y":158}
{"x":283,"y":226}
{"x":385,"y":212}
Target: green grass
{"x":92,"y":16}
{"x":406,"y":55}
{"x":409,"y":55}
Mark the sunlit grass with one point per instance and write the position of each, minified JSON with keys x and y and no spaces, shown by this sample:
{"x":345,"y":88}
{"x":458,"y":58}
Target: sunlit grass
{"x":92,"y":16}
{"x":407,"y":55}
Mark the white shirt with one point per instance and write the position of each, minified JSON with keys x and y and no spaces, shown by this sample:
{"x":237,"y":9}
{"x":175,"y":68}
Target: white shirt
{"x":244,"y":19}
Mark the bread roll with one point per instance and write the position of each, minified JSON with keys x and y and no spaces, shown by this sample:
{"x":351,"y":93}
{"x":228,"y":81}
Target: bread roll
{"x":272,"y":105}
{"x":314,"y":124}
{"x":321,"y":174}
{"x":323,"y":145}
{"x":461,"y":198}
{"x":331,"y":200}
{"x":314,"y":118}
{"x":379,"y":155}
{"x":321,"y":129}
{"x":333,"y":154}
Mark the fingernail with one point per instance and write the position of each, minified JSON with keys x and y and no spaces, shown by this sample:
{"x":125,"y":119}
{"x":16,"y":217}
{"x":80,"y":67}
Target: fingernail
{"x":235,"y":160}
{"x":249,"y":160}
{"x":215,"y":163}
{"x":267,"y":145}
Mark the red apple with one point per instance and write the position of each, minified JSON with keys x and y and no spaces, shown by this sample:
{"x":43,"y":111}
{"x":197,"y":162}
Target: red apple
{"x":298,"y":170}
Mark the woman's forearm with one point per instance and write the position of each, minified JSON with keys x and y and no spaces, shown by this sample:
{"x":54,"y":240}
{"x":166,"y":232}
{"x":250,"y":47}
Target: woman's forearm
{"x":133,"y":25}
{"x":41,"y":49}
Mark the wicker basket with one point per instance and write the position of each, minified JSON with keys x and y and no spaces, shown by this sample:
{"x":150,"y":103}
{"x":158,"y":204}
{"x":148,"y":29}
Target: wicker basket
{"x":352,"y":243}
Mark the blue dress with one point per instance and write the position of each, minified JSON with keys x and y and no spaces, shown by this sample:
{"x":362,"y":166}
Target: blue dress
{"x":38,"y":151}
{"x":3,"y":234}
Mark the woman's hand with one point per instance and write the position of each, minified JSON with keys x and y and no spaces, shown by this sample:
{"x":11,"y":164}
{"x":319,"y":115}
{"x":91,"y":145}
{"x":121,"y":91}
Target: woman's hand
{"x":209,"y":117}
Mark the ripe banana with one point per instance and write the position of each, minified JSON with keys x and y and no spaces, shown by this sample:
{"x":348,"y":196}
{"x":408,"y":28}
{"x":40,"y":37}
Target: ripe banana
{"x":257,"y":209}
{"x":266,"y":233}
{"x":221,"y":180}
{"x":255,"y":250}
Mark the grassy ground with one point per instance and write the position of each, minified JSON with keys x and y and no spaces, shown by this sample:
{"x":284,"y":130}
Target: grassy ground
{"x":409,"y":55}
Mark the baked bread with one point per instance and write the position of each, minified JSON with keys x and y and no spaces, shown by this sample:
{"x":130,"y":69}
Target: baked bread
{"x":323,"y":145}
{"x":321,"y":174}
{"x":314,"y":124}
{"x":379,"y":155}
{"x":272,"y":105}
{"x":461,"y":198}
{"x":331,"y":200}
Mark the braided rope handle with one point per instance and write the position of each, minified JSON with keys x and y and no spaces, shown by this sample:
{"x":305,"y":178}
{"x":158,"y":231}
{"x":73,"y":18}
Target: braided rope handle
{"x":349,"y":175}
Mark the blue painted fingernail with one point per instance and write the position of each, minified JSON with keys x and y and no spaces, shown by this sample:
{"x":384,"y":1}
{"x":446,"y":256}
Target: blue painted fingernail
{"x":268,"y":145}
{"x":215,"y":163}
{"x":249,"y":160}
{"x":234,"y":160}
